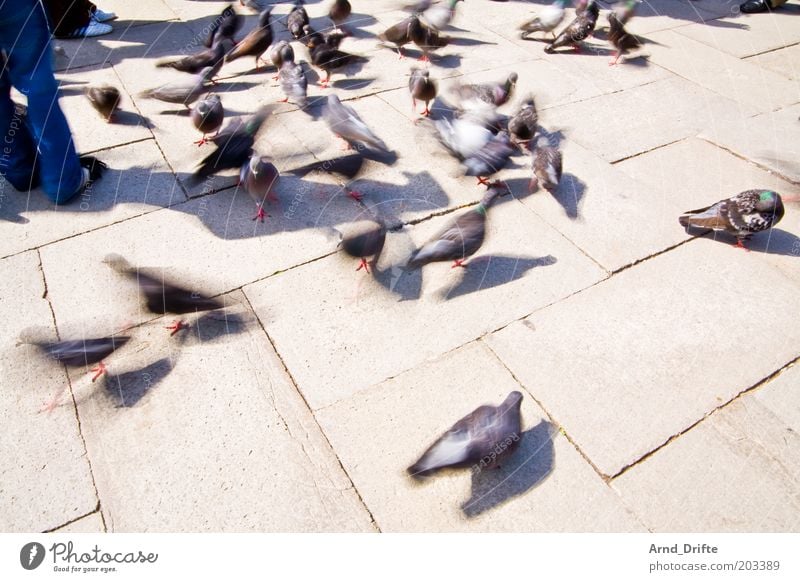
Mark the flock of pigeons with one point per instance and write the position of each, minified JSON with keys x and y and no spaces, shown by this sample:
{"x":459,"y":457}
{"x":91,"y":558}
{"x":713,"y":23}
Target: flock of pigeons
{"x":482,"y":139}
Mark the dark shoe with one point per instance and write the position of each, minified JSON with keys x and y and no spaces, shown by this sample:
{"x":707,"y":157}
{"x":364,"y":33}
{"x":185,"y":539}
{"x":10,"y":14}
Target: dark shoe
{"x":94,"y":166}
{"x":755,"y":6}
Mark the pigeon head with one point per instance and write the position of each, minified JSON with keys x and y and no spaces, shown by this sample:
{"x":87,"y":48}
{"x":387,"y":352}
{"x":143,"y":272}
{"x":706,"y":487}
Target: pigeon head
{"x":767,"y":201}
{"x":513,"y":401}
{"x":512,"y":80}
{"x":263,"y":18}
{"x":494,"y":192}
{"x":207,"y":73}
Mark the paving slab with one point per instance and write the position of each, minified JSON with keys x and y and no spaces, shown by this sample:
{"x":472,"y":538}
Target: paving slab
{"x":621,"y":125}
{"x":697,"y":173}
{"x":771,"y":140}
{"x":91,"y":524}
{"x":755,"y":89}
{"x":629,"y":363}
{"x":744,"y":35}
{"x":137,"y":181}
{"x":782,"y":61}
{"x":545,"y":486}
{"x":45,"y":479}
{"x":736,"y":471}
{"x":133,"y":14}
{"x":340,"y":332}
{"x":204,"y":431}
{"x":780,"y":397}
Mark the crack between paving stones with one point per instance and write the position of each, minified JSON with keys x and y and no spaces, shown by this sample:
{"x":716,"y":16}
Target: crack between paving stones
{"x":749,"y":160}
{"x":311,"y":412}
{"x":658,"y":147}
{"x":758,"y":384}
{"x":69,"y":385}
{"x":772,"y":50}
{"x":71,"y":521}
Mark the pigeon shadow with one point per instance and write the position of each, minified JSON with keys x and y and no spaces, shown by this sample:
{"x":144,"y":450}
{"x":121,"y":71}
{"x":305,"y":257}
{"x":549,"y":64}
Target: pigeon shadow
{"x":528,"y":467}
{"x":773,"y":242}
{"x":123,"y":117}
{"x":488,"y":271}
{"x":353,"y":83}
{"x":456,"y":41}
{"x":127,"y":389}
{"x":213,"y":326}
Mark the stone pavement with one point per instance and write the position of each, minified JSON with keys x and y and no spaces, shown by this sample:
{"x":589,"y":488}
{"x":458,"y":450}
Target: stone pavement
{"x":657,"y":368}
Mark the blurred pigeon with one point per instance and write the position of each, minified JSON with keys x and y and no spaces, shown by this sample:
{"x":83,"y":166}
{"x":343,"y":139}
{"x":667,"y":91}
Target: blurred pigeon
{"x":280,"y":53}
{"x":626,"y":9}
{"x":211,"y":57}
{"x":365,"y":240}
{"x":440,"y":15}
{"x":345,"y":123}
{"x":522,"y":125}
{"x":742,"y":215}
{"x":184,"y":91}
{"x":578,"y":30}
{"x":296,"y":20}
{"x":347,"y":167}
{"x":162,"y":296}
{"x":462,"y":136}
{"x":234,"y":146}
{"x":256,"y":42}
{"x":496,"y":94}
{"x":428,"y":39}
{"x":339,"y":12}
{"x":545,"y":21}
{"x":484,"y":437}
{"x":326,"y":55}
{"x":620,"y":38}
{"x":226,"y":25}
{"x":461,"y":238}
{"x":547,"y":162}
{"x":422,"y":87}
{"x":258,"y":176}
{"x":491,"y":158}
{"x":80,"y":352}
{"x":105,"y":99}
{"x":207,"y":116}
{"x":294,"y":83}
{"x":419,"y":7}
{"x":402,"y":33}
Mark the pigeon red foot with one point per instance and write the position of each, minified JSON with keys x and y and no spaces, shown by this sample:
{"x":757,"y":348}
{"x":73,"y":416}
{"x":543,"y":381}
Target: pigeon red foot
{"x":363,"y":265}
{"x":740,"y":245}
{"x":260,"y":214}
{"x":355,"y":195}
{"x":459,"y":263}
{"x":99,"y":370}
{"x":177,"y":326}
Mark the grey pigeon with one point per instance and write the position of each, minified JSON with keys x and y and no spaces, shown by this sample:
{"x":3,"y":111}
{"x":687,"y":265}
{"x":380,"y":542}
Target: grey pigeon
{"x":366,"y":239}
{"x":162,"y":296}
{"x":259,"y":176}
{"x":495,"y":94}
{"x":440,"y":14}
{"x":461,"y":238}
{"x":105,"y":99}
{"x":522,"y":125}
{"x":80,"y":352}
{"x":402,"y":33}
{"x":545,"y":21}
{"x":294,"y":83}
{"x":428,"y":39}
{"x":422,"y":87}
{"x":296,"y":20}
{"x":491,"y":158}
{"x":622,"y":40}
{"x":482,"y":439}
{"x":280,"y":53}
{"x":547,"y":165}
{"x":578,"y":30}
{"x":325,"y":53}
{"x":207,"y":116}
{"x":345,"y":122}
{"x":184,"y":91}
{"x":211,"y":57}
{"x":742,"y":215}
{"x":463,"y":136}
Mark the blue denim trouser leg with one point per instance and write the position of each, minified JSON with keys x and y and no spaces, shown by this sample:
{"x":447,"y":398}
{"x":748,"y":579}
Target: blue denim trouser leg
{"x":25,"y":38}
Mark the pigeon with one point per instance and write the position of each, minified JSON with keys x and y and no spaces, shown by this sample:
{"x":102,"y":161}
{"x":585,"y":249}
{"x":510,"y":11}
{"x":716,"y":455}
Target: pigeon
{"x":742,"y":215}
{"x":105,"y":99}
{"x":546,"y":165}
{"x":366,"y":240}
{"x":625,"y":12}
{"x":326,"y":55}
{"x":428,"y":39}
{"x":226,"y":25}
{"x":620,"y":38}
{"x":483,"y":438}
{"x":578,"y":30}
{"x":294,"y":83}
{"x":207,"y":116}
{"x":461,"y":238}
{"x":402,"y":33}
{"x":80,"y":352}
{"x":419,"y":7}
{"x":347,"y":167}
{"x":234,"y":146}
{"x":491,"y":158}
{"x":545,"y":21}
{"x":345,"y":123}
{"x":258,"y":176}
{"x":183,"y":92}
{"x":339,"y":12}
{"x":462,"y":136}
{"x":440,"y":15}
{"x":162,"y":296}
{"x":522,"y":125}
{"x":296,"y":20}
{"x":422,"y":87}
{"x":211,"y":57}
{"x":495,"y":94}
{"x":256,"y":42}
{"x":279,"y":53}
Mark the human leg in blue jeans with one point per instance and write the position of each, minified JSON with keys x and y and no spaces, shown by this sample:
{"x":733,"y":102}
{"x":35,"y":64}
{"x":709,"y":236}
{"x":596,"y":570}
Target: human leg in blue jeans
{"x":25,"y":39}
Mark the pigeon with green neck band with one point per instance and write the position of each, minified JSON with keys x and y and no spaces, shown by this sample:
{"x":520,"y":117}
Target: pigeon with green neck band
{"x":578,"y":30}
{"x":742,"y":216}
{"x":461,"y":238}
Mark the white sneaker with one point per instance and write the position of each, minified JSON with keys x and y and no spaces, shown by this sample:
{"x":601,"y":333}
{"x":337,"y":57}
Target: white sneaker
{"x":94,"y":28}
{"x":102,"y":16}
